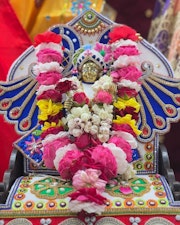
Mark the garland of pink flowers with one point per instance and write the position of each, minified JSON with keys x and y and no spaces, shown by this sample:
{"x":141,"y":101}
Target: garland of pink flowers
{"x":91,"y":143}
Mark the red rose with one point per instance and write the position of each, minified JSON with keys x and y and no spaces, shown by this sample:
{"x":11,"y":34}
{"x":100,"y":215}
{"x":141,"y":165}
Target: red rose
{"x":51,"y":130}
{"x":55,"y":118}
{"x":64,"y":87}
{"x":128,"y":110}
{"x":80,"y":98}
{"x":54,"y":95}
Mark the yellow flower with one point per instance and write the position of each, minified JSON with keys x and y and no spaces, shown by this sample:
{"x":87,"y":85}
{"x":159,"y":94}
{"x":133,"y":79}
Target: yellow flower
{"x":48,"y":108}
{"x":48,"y":125}
{"x":122,"y":104}
{"x":127,"y":119}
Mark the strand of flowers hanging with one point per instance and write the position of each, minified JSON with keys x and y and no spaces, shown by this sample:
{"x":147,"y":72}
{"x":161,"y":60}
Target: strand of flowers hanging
{"x":89,"y":121}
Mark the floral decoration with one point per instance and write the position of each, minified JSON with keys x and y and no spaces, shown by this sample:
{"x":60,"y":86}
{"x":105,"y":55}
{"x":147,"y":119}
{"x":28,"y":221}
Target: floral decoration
{"x":90,"y":141}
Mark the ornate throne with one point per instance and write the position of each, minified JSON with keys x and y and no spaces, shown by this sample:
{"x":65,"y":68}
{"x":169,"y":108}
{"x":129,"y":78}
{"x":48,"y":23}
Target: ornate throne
{"x":33,"y":194}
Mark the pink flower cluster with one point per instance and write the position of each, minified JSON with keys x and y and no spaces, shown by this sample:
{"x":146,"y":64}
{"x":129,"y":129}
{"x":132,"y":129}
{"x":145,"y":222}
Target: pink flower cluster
{"x":51,"y":85}
{"x":51,"y":77}
{"x":130,"y":73}
{"x":50,"y":149}
{"x":49,"y":55}
{"x":98,"y":157}
{"x":104,"y":50}
{"x":125,"y":50}
{"x":126,"y":71}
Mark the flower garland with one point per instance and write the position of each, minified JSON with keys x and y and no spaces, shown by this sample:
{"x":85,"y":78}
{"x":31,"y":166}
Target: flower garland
{"x":89,"y":141}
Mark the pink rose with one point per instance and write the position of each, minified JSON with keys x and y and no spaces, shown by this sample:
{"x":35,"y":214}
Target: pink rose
{"x":104,"y":157}
{"x":124,"y":145}
{"x":48,"y":55}
{"x":103,"y":97}
{"x":80,"y":98}
{"x":70,"y":164}
{"x":48,"y":78}
{"x":50,"y":149}
{"x":89,"y":178}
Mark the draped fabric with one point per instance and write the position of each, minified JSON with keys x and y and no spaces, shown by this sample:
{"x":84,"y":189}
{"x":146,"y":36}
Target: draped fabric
{"x":38,"y":19}
{"x":164,"y":31}
{"x":13,"y":41}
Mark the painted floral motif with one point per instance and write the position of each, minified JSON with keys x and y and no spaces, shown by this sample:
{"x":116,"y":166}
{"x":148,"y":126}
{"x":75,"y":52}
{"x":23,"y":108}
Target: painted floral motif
{"x":51,"y":188}
{"x":133,"y":188}
{"x":31,"y":146}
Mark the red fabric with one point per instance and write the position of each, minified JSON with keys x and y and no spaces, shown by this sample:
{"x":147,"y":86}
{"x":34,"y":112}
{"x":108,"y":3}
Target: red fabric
{"x":13,"y":41}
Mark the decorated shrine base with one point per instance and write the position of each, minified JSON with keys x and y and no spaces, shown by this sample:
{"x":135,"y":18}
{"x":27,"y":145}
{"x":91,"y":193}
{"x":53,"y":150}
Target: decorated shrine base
{"x":45,"y":198}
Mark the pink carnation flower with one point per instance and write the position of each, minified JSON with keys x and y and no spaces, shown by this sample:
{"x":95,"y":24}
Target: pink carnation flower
{"x":103,"y":97}
{"x":104,"y":157}
{"x":50,"y":150}
{"x":69,"y":164}
{"x":124,"y":145}
{"x":48,"y":55}
{"x":89,"y":178}
{"x":83,"y":141}
{"x":129,"y":73}
{"x":115,"y":75}
{"x":48,"y":78}
{"x":125,"y":50}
